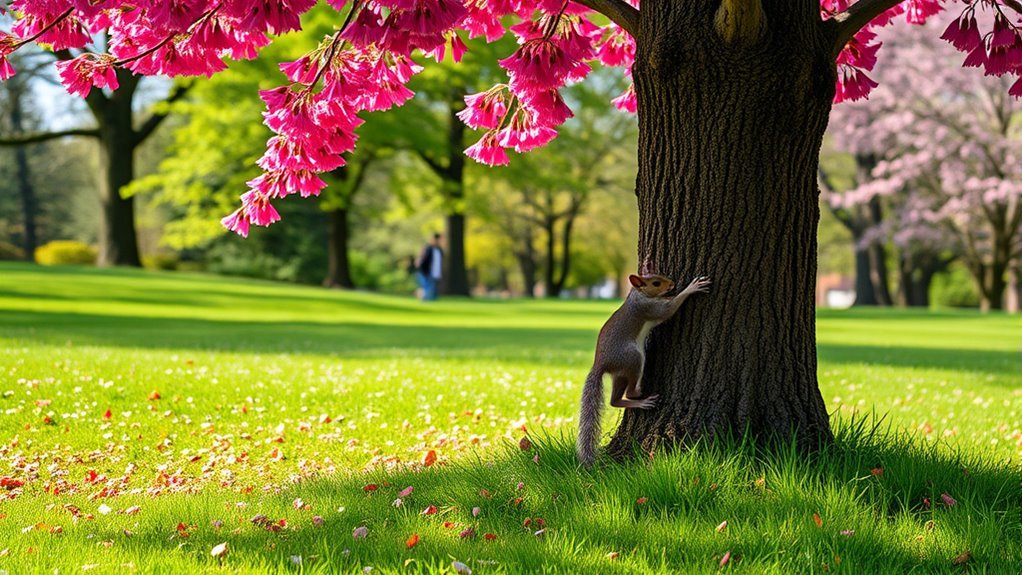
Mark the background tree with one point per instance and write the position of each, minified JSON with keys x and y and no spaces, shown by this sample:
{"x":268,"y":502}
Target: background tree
{"x":549,"y":190}
{"x":949,"y":164}
{"x":118,"y":136}
{"x":871,"y":283}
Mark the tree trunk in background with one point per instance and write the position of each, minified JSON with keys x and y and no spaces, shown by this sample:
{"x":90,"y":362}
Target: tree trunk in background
{"x":525,"y":254}
{"x":1014,"y":303}
{"x":29,"y":207}
{"x":338,"y":270}
{"x":118,"y":242}
{"x":550,"y":264}
{"x":455,"y":274}
{"x":565,"y":264}
{"x":865,"y":294}
{"x":453,"y":183}
{"x":729,"y":140}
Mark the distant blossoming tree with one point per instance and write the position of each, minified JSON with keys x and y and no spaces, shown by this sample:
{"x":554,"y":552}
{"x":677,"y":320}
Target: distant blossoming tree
{"x":733,"y":97}
{"x":948,"y":146}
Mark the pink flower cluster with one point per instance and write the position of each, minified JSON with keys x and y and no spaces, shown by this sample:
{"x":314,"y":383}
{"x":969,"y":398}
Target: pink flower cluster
{"x":860,"y":53}
{"x":82,"y":73}
{"x":364,"y":67}
{"x":998,"y":52}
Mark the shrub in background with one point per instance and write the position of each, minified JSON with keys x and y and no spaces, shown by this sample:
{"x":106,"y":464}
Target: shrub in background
{"x":168,"y":262}
{"x":65,"y":252}
{"x":954,"y":288}
{"x":10,"y":252}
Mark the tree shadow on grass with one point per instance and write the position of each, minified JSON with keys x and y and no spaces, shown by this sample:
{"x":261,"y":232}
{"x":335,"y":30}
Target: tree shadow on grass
{"x":873,"y":503}
{"x":340,"y":338}
{"x":984,"y":361}
{"x":349,"y":338}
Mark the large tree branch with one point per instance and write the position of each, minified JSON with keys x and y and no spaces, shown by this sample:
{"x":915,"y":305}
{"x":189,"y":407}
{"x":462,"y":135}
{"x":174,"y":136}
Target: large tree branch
{"x":621,"y":13}
{"x":26,"y":139}
{"x":855,"y":17}
{"x":157,"y":118}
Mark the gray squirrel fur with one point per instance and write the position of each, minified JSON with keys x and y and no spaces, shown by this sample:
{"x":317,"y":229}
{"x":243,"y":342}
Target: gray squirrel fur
{"x":621,"y":353}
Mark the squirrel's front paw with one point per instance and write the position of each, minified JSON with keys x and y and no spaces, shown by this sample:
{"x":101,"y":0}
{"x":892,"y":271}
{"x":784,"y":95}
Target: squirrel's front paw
{"x":699,"y":285}
{"x":648,"y":403}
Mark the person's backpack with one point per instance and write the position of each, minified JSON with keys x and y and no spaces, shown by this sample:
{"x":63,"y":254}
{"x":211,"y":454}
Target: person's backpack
{"x":426,"y":260}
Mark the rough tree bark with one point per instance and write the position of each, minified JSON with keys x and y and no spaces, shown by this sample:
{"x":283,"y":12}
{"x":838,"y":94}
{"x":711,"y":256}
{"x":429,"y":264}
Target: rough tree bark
{"x":729,"y":139}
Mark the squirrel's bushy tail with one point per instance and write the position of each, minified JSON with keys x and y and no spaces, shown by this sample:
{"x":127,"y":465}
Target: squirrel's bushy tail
{"x":589,"y":417}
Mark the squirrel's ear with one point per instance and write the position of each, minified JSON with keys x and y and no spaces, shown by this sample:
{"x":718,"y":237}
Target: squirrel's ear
{"x":636,"y":280}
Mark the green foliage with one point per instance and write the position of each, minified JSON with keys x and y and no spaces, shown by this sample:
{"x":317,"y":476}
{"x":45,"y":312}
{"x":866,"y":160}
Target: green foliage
{"x":955,"y":288}
{"x":65,"y":252}
{"x":242,"y":368}
{"x":10,"y":252}
{"x":379,"y":272}
{"x":161,"y":261}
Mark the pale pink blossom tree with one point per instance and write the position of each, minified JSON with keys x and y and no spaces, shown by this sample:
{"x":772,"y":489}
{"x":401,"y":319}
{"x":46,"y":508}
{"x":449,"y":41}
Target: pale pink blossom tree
{"x":733,"y":97}
{"x":949,"y":162}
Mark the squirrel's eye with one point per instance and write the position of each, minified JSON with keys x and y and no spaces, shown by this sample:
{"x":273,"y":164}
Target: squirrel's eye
{"x":656,"y":284}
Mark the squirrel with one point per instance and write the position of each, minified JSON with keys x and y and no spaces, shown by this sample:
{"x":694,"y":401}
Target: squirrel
{"x":621,"y":353}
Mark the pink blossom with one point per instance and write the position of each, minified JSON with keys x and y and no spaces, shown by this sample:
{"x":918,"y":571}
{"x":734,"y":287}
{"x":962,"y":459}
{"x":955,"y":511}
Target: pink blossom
{"x":1016,"y":88}
{"x":963,"y":33}
{"x":548,"y":106}
{"x":258,"y":208}
{"x":63,"y":29}
{"x":82,"y":73}
{"x":524,"y":134}
{"x":480,"y":21}
{"x":626,"y":101}
{"x":275,"y":16}
{"x":540,"y":65}
{"x":617,"y":49}
{"x":1004,"y":34}
{"x":237,"y":222}
{"x":6,"y":70}
{"x":853,"y":84}
{"x":917,"y":11}
{"x":301,"y":71}
{"x":860,"y":51}
{"x":486,"y":109}
{"x":458,"y":48}
{"x":488,"y":151}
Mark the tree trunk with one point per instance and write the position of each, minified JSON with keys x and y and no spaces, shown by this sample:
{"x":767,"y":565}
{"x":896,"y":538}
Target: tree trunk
{"x":729,"y":140}
{"x":455,"y":274}
{"x":569,"y":223}
{"x":1014,"y":303}
{"x":994,"y":284}
{"x":118,"y":242}
{"x":550,"y":262}
{"x":338,"y":269}
{"x":865,"y":294}
{"x":453,"y":182}
{"x":526,"y":256}
{"x":878,"y":255}
{"x":29,"y":206}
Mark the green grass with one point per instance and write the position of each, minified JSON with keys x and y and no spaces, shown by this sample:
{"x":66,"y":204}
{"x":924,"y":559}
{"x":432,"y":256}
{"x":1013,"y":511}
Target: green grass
{"x":269,"y":393}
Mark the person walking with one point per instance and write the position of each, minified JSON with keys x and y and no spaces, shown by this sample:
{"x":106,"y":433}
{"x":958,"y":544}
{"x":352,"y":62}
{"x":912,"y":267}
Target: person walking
{"x":430,"y":267}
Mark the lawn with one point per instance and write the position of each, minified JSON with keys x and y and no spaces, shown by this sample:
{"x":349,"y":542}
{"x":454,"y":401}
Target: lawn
{"x":149,"y":417}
